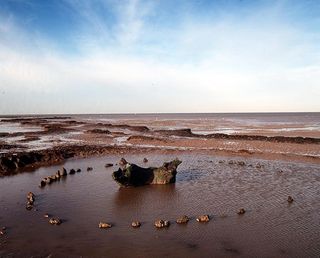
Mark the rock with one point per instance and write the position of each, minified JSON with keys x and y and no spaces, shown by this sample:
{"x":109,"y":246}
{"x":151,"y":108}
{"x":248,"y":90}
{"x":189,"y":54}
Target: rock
{"x":89,"y":168}
{"x":55,"y":221}
{"x":78,"y":170}
{"x":145,"y":160}
{"x":203,"y":218}
{"x":241,"y":211}
{"x":30,"y":201}
{"x":290,"y":199}
{"x":46,"y":215}
{"x":259,"y":166}
{"x":53,"y":178}
{"x":30,"y":198}
{"x":29,"y":206}
{"x":221,"y":161}
{"x":48,"y":180}
{"x":183,"y":220}
{"x":57,"y":175}
{"x":104,"y":225}
{"x":3,"y":231}
{"x":133,"y":175}
{"x":42,"y":183}
{"x":108,"y":165}
{"x":64,"y":172}
{"x":231,"y":162}
{"x":241,"y":163}
{"x":135,"y":224}
{"x":161,"y":223}
{"x":30,"y":195}
{"x":72,"y":171}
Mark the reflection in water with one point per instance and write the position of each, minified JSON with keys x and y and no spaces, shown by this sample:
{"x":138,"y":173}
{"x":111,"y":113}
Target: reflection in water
{"x":141,"y":202}
{"x":134,"y":197}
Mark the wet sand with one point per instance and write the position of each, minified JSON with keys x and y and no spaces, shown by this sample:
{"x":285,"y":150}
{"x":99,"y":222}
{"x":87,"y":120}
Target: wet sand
{"x":57,"y":138}
{"x":209,"y":181}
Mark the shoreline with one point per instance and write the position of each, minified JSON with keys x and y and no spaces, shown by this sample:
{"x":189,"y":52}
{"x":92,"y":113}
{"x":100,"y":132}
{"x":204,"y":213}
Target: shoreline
{"x":15,"y":163}
{"x":48,"y":140}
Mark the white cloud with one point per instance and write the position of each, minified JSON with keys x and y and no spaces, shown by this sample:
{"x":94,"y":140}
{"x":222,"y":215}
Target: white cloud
{"x":206,"y":66}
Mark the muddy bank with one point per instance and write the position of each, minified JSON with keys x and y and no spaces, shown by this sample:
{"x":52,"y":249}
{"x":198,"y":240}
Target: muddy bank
{"x":188,"y":133}
{"x":64,"y":137}
{"x":12,"y":163}
{"x":139,"y":138}
{"x":137,"y":128}
{"x":99,"y":131}
{"x":59,"y":127}
{"x":17,"y":162}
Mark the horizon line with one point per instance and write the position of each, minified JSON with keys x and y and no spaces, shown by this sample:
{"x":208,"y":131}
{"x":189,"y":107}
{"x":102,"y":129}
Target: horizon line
{"x":159,"y":113}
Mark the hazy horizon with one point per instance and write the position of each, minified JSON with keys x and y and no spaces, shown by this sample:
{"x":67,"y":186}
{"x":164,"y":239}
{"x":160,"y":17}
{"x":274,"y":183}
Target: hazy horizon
{"x":139,"y":56}
{"x":161,"y":113}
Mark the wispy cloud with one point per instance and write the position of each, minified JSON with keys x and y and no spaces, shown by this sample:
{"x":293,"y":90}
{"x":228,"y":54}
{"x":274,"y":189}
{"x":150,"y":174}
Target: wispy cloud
{"x":127,"y":59}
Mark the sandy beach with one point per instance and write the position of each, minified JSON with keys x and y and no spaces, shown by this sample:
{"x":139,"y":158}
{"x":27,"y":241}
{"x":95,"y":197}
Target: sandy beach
{"x":229,"y":162}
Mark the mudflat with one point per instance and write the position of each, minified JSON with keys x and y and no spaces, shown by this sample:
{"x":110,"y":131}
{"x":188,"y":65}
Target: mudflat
{"x":255,"y":167}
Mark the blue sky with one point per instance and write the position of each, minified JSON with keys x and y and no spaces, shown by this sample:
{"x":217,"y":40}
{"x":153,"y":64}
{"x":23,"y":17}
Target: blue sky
{"x":108,"y":56}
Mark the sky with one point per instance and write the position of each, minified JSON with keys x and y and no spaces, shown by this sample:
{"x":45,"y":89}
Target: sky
{"x":168,"y":56}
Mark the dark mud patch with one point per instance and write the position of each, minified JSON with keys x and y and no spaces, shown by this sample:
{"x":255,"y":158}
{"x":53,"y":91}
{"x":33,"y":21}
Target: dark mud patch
{"x":55,"y":128}
{"x":179,"y":132}
{"x":138,"y":128}
{"x":146,"y":138}
{"x":98,"y":131}
{"x":13,"y":163}
{"x":116,"y":134}
{"x":280,"y":139}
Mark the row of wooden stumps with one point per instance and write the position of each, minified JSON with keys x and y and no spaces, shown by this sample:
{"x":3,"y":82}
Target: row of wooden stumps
{"x":181,"y":220}
{"x":161,"y":223}
{"x":135,"y":224}
{"x":60,"y":174}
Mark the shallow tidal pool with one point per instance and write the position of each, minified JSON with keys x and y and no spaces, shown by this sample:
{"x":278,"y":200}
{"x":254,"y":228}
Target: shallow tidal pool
{"x":271,"y":227}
